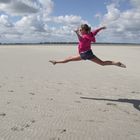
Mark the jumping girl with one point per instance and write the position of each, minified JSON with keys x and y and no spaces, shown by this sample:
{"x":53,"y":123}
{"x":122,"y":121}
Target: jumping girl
{"x":85,"y":37}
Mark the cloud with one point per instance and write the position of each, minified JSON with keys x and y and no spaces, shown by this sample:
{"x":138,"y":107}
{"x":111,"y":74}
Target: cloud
{"x":4,"y":21}
{"x":30,"y":23}
{"x":113,"y":13}
{"x":24,"y":7}
{"x":7,"y":31}
{"x":18,"y":7}
{"x":35,"y":23}
{"x":135,"y":3}
{"x":5,"y":1}
{"x":68,"y":19}
{"x":46,"y":6}
{"x":36,"y":27}
{"x":123,"y":26}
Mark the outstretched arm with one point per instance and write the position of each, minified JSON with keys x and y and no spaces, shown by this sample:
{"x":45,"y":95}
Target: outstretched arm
{"x":97,"y":30}
{"x":78,"y":34}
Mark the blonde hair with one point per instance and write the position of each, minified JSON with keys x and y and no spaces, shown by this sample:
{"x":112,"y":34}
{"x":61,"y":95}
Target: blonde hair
{"x":86,"y":28}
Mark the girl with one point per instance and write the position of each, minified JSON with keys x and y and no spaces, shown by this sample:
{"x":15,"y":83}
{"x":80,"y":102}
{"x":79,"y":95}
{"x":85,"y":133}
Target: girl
{"x":85,"y":37}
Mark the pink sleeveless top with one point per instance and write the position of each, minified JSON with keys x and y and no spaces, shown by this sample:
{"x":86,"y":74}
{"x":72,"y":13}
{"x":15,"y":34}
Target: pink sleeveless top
{"x":85,"y":41}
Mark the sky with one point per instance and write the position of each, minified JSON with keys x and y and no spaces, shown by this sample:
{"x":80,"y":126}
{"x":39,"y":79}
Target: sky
{"x":35,"y":21}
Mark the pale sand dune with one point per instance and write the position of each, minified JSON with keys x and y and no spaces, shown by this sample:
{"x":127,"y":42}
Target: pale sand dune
{"x":73,"y":101}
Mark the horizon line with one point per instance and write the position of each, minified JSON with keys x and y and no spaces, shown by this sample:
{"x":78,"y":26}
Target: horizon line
{"x":26,"y":43}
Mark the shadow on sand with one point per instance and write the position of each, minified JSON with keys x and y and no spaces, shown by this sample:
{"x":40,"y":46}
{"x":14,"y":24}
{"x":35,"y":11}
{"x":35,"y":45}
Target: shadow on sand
{"x":134,"y":102}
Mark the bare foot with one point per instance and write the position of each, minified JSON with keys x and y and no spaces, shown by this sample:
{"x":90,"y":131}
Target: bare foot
{"x":119,"y":64}
{"x":53,"y":62}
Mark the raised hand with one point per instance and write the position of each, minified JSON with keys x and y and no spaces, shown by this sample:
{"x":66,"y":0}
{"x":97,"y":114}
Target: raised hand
{"x":104,"y":27}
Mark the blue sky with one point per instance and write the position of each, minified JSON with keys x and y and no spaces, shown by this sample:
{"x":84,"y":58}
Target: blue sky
{"x":54,"y":20}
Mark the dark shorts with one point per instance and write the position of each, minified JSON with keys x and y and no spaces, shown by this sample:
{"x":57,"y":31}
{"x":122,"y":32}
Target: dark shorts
{"x":87,"y":55}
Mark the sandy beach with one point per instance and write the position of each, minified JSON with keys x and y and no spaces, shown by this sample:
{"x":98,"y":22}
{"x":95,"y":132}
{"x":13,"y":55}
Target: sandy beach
{"x":73,"y":101}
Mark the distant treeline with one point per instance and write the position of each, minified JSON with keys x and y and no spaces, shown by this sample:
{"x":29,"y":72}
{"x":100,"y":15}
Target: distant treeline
{"x":38,"y":43}
{"x":59,"y":43}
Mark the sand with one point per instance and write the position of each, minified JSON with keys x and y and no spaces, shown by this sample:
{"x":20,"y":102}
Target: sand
{"x":73,"y":101}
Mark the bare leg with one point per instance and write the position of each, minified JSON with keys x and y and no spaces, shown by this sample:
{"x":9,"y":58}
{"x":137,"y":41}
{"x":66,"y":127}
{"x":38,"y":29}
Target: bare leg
{"x":71,"y":58}
{"x":105,"y":63}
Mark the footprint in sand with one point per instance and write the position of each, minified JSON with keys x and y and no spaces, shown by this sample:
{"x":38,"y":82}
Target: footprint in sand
{"x":90,"y":120}
{"x":8,"y":103}
{"x":93,"y":121}
{"x":136,"y":92}
{"x":77,"y":101}
{"x":16,"y":128}
{"x":2,"y":114}
{"x":21,"y":77}
{"x":115,"y":88}
{"x":32,"y":93}
{"x":57,"y":138}
{"x":78,"y":93}
{"x":63,"y":131}
{"x":50,"y":99}
{"x":103,"y":110}
{"x":111,"y":104}
{"x":10,"y":90}
{"x":22,"y":127}
{"x":60,"y":83}
{"x":53,"y":138}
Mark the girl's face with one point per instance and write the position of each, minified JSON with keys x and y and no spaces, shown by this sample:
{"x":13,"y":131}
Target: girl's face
{"x":82,"y":31}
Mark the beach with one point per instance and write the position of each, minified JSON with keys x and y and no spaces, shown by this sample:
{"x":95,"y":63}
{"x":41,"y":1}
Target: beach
{"x":73,"y":101}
